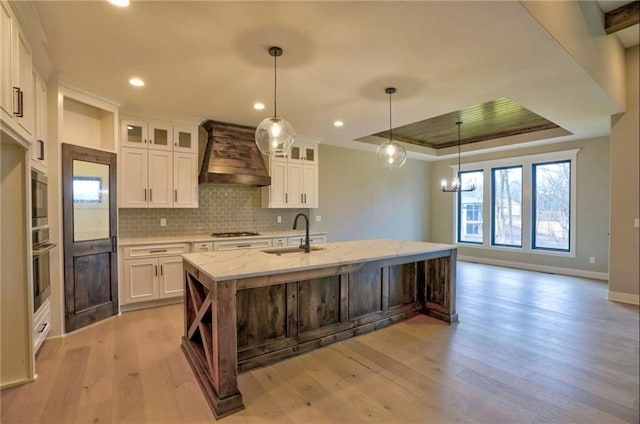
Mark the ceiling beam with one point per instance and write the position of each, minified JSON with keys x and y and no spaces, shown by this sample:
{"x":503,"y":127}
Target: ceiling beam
{"x":622,"y":17}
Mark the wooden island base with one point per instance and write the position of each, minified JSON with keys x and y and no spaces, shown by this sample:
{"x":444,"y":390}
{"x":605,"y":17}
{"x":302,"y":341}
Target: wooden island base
{"x":236,"y":325}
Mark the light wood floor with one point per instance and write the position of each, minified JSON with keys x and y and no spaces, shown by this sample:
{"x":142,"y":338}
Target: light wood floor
{"x":529,"y":348}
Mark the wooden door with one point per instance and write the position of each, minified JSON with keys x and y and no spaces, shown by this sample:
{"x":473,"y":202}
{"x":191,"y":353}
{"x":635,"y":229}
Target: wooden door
{"x":89,"y":235}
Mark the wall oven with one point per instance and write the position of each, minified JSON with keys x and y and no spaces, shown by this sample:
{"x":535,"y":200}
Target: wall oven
{"x":41,"y":245}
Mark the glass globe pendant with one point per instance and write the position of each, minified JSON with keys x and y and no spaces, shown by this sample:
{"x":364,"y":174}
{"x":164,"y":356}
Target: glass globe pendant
{"x":275,"y":135}
{"x":391,"y":155}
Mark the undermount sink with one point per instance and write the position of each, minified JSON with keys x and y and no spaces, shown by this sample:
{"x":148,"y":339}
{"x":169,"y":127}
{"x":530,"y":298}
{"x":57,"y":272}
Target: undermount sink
{"x":282,"y":250}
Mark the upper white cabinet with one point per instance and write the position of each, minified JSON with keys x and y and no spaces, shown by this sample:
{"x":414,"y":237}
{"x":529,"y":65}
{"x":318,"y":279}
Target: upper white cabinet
{"x":159,"y":135}
{"x":158,"y":165}
{"x":39,"y":153}
{"x":304,"y":152}
{"x":294,"y":180}
{"x":16,"y":78}
{"x":185,"y":139}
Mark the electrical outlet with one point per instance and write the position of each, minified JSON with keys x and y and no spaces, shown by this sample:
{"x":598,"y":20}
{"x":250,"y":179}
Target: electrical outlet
{"x":279,"y":219}
{"x":592,"y":260}
{"x":163,"y":222}
{"x":318,"y":218}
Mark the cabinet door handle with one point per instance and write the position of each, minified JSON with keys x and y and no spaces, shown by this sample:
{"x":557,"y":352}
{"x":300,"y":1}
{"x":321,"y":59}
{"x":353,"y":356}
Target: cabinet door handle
{"x":114,"y":244}
{"x":286,"y":198}
{"x":243,"y":245}
{"x":158,"y":251}
{"x":175,"y":195}
{"x":301,"y":198}
{"x":20,"y":104}
{"x":161,"y":270}
{"x":145,"y":141}
{"x":145,"y":194}
{"x":44,"y":325}
{"x":41,"y":157}
{"x":151,"y":195}
{"x":156,"y":266}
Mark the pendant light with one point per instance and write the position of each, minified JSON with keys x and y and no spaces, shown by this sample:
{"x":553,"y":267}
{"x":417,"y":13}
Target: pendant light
{"x":391,"y":155}
{"x":456,"y":183}
{"x":274,"y":135}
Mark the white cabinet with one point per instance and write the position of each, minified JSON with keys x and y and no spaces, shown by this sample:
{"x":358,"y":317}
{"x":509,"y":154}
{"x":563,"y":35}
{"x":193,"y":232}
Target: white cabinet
{"x":185,"y":139}
{"x":294,"y":182}
{"x":152,"y":272}
{"x":242,"y":244}
{"x":304,"y":153}
{"x":279,"y":242}
{"x":41,"y":324}
{"x":158,"y":165}
{"x":147,"y":179}
{"x":16,"y":78}
{"x":159,"y":135}
{"x":202,"y":246}
{"x":299,"y":240}
{"x":39,"y":153}
{"x":185,"y":180}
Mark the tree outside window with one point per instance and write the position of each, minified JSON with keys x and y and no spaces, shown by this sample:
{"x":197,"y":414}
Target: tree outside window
{"x":507,"y":206}
{"x":551,"y":205}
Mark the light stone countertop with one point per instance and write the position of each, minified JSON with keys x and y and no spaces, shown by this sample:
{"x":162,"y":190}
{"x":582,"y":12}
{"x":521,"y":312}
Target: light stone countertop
{"x":230,"y":265}
{"x":197,"y":238}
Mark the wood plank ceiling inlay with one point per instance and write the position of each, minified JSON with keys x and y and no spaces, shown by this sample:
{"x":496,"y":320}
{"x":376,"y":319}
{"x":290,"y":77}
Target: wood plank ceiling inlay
{"x":490,"y":120}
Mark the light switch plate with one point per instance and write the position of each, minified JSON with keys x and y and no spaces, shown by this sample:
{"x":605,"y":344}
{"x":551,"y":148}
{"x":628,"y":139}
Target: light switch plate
{"x":279,"y":220}
{"x":318,"y":218}
{"x":636,"y":223}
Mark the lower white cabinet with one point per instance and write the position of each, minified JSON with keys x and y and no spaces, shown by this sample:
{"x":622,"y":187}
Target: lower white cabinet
{"x":242,"y":244}
{"x":41,"y":325}
{"x":152,"y":272}
{"x":299,"y":240}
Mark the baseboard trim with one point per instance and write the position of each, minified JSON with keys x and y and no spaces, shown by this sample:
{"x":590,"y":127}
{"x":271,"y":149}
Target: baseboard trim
{"x":541,"y":268}
{"x":633,"y":299}
{"x":151,"y":304}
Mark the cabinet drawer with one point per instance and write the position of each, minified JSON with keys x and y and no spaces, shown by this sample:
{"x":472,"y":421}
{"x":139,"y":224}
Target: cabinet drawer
{"x":41,"y":325}
{"x":244,"y":244}
{"x":132,"y":252}
{"x":298,"y":241}
{"x":279,"y":242}
{"x":202,"y":247}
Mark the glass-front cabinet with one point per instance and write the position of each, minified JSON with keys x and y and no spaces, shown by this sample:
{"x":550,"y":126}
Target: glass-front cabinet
{"x":304,"y":153}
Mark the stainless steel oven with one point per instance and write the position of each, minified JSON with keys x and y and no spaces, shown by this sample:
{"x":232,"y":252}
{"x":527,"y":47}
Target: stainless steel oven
{"x":40,"y":243}
{"x":39,"y":199}
{"x":41,"y":274}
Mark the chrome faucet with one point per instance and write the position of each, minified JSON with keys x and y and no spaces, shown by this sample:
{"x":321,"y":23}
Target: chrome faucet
{"x":307,"y":244}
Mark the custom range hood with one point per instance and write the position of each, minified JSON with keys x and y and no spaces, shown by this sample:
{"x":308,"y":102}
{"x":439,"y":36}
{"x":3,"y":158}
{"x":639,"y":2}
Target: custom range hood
{"x":231,"y":156}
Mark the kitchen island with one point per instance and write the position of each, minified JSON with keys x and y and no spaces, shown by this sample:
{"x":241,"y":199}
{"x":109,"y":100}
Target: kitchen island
{"x":249,"y":308}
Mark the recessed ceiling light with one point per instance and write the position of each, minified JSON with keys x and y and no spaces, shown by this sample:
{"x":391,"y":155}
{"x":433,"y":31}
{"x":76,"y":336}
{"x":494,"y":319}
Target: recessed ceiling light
{"x":258,"y":106}
{"x":338,"y":123}
{"x":136,"y":82}
{"x":120,"y":3}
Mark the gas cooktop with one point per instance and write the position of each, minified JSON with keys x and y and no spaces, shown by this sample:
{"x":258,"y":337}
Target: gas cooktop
{"x":235,"y":234}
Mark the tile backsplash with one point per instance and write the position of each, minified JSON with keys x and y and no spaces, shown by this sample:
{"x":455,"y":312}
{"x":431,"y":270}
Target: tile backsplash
{"x":221,"y":208}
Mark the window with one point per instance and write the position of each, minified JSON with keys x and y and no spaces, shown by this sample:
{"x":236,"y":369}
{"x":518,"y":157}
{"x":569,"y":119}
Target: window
{"x":87,"y":190}
{"x":506,"y":190}
{"x":527,"y":205}
{"x":471,"y":208}
{"x":551,"y":205}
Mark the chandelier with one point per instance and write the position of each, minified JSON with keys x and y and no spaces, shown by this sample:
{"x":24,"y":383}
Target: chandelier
{"x":456,"y":183}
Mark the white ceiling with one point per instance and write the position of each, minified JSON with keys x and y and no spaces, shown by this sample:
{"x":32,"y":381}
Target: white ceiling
{"x":209,"y":60}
